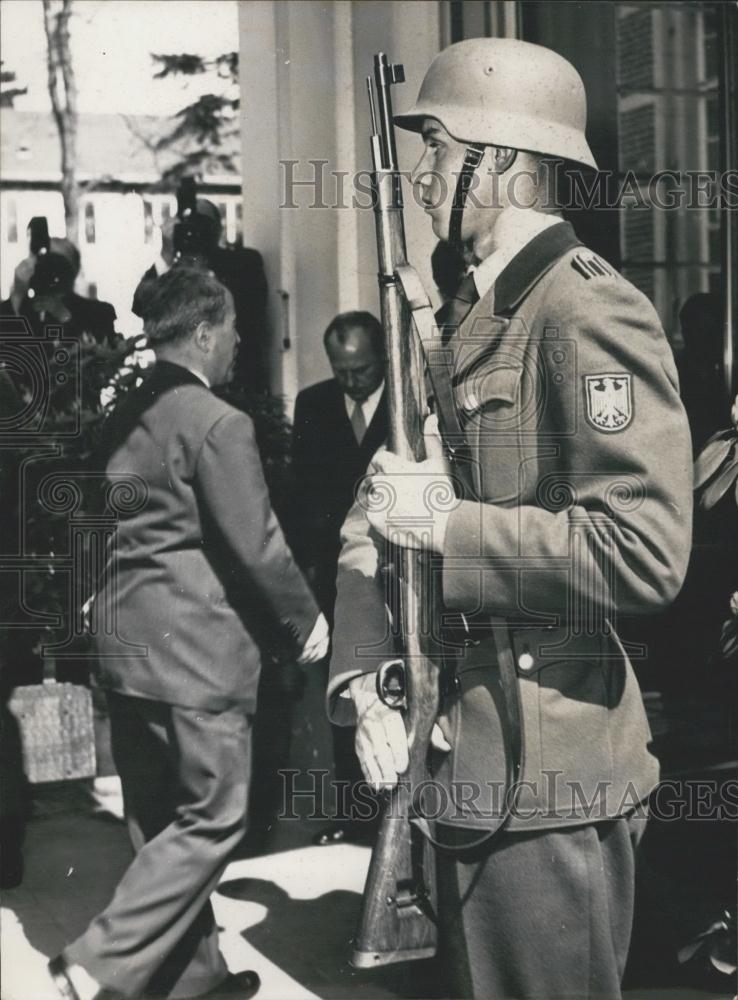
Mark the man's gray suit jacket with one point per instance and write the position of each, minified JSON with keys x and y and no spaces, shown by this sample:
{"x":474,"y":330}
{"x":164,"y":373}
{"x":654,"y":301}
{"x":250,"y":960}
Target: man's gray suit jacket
{"x":199,"y":565}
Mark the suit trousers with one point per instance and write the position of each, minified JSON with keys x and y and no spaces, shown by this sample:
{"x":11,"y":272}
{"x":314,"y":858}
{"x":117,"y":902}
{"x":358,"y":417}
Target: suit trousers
{"x":185,"y":776}
{"x":544,"y":915}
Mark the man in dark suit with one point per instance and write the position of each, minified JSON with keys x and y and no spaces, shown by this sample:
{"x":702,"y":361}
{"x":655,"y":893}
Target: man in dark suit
{"x":197,"y":559}
{"x":43,"y":294}
{"x":240,"y":269}
{"x":339,"y":424}
{"x":56,"y":301}
{"x":93,"y":316}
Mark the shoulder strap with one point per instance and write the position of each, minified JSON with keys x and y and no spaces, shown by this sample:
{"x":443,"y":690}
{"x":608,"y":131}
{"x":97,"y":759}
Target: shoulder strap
{"x":514,"y":748}
{"x":440,"y":375}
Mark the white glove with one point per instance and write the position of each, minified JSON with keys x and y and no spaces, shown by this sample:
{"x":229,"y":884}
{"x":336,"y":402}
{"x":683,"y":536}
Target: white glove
{"x":407,"y":502}
{"x":381,"y":738}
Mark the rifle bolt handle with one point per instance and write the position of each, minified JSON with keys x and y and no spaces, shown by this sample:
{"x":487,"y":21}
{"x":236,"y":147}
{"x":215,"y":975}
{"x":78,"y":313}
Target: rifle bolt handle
{"x":391,"y":684}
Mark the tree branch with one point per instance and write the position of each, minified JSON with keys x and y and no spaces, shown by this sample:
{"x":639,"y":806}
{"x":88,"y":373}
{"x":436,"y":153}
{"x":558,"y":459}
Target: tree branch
{"x":63,"y":93}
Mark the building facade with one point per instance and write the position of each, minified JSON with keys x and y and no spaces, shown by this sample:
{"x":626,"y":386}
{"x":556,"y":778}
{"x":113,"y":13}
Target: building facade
{"x":660,"y":88}
{"x":121,"y":209}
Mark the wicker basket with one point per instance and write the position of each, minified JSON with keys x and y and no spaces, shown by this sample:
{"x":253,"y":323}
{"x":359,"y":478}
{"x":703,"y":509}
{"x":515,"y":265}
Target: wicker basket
{"x":57,"y":734}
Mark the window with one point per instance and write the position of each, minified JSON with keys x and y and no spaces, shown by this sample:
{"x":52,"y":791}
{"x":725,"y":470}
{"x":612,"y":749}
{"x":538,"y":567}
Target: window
{"x":239,"y":223}
{"x":148,"y":209}
{"x":89,"y":222}
{"x":12,"y":214}
{"x":479,"y":19}
{"x":668,"y":119}
{"x":635,"y":50}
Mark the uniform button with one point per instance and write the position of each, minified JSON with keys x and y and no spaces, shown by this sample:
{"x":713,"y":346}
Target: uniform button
{"x":526,"y":661}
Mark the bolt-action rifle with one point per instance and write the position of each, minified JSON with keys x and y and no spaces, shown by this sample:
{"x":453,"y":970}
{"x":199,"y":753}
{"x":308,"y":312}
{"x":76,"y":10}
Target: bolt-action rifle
{"x":398,"y":917}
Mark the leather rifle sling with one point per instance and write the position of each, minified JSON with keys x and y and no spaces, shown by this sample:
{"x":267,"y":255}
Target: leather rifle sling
{"x":440,"y":376}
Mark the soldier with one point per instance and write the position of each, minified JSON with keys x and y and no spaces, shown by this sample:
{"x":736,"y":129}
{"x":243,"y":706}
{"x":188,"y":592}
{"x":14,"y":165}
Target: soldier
{"x":555,"y":384}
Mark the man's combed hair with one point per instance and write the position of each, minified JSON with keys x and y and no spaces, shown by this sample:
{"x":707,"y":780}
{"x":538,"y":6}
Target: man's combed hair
{"x":175,"y":303}
{"x":344,"y":322}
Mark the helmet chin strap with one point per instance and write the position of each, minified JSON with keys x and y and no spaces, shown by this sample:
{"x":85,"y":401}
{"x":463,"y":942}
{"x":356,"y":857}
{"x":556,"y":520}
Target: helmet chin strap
{"x":472,"y":158}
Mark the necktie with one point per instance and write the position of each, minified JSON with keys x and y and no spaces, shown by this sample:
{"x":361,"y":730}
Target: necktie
{"x":358,"y":423}
{"x":453,"y":312}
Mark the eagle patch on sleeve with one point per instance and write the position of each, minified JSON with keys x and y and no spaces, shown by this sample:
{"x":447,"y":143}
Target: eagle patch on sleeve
{"x":609,"y":401}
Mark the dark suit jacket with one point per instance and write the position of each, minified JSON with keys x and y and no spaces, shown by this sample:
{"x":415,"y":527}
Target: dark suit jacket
{"x":327,"y":464}
{"x":94,"y":316}
{"x":198,"y":560}
{"x":241,"y":270}
{"x":91,"y":316}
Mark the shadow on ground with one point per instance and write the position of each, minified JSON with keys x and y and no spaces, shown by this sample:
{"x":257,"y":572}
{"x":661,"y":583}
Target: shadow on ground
{"x":324,"y":927}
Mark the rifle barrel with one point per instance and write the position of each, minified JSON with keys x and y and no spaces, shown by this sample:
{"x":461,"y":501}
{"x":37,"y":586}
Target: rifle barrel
{"x":385,"y":74}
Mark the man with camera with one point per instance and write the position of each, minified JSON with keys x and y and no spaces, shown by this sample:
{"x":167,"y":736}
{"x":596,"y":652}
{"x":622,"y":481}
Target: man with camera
{"x":195,"y":568}
{"x":44,"y":299}
{"x":43,"y":290}
{"x":194,"y":240}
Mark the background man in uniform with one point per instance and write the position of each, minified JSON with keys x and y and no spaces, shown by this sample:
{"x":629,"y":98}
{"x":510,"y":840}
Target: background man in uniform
{"x":196,"y":565}
{"x":578,"y":505}
{"x":339,"y":424}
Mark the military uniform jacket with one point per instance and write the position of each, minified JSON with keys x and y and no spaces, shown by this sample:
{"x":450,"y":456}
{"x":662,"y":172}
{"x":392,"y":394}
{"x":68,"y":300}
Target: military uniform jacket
{"x":580,"y":459}
{"x":198,"y":565}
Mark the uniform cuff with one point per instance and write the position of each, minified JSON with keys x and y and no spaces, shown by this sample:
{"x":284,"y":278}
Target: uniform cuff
{"x":338,"y":701}
{"x":474,"y":579}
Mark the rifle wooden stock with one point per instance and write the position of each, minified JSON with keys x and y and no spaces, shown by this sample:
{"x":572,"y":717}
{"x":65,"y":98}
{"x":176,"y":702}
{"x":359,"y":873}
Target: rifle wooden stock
{"x":398,"y":916}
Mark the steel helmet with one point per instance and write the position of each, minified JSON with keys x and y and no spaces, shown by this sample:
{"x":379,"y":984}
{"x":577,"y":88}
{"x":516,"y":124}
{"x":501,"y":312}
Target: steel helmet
{"x":504,"y":92}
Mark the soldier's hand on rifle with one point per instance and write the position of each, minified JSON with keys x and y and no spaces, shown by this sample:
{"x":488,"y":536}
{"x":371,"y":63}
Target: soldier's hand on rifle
{"x":407,"y":502}
{"x":381,"y":739}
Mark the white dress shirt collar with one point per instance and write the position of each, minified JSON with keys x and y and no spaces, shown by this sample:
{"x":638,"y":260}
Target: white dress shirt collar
{"x":368,"y":407}
{"x":199,"y":374}
{"x":515,"y":229}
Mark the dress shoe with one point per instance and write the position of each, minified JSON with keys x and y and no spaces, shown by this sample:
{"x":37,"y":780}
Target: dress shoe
{"x":364,"y":833}
{"x":61,"y":973}
{"x":345,"y":833}
{"x":58,"y":972}
{"x":236,"y":984}
{"x":336,"y":833}
{"x":242,"y":984}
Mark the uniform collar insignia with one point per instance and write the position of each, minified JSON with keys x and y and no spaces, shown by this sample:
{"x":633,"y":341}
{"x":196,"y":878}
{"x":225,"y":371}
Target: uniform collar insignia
{"x":529,"y":265}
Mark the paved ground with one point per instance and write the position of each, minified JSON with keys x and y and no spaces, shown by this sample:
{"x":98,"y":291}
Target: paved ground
{"x":289,"y":914}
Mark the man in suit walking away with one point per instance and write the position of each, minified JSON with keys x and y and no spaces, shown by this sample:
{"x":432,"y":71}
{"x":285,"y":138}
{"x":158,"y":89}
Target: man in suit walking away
{"x":196,"y":563}
{"x":339,"y":424}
